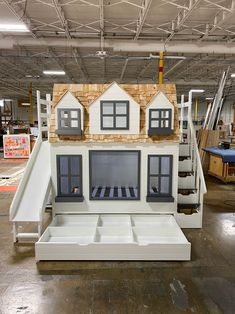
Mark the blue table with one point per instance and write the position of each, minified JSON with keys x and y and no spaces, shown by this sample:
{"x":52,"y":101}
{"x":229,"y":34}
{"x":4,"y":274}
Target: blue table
{"x":227,"y":155}
{"x":222,"y":163}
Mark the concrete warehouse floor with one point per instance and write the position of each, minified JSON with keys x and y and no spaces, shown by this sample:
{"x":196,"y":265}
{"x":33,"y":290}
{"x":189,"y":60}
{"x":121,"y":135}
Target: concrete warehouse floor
{"x":206,"y":284}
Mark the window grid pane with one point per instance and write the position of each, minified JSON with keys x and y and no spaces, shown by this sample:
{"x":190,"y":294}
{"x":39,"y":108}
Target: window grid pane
{"x":69,"y":119}
{"x":69,"y":175}
{"x":159,"y":176}
{"x":120,"y":115}
{"x":160,"y":118}
{"x":121,"y":122}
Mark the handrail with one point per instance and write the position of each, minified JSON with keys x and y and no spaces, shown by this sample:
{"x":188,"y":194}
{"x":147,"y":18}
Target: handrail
{"x":198,"y":159}
{"x":193,"y":139}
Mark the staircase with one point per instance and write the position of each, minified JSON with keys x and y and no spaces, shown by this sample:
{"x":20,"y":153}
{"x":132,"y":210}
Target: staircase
{"x":191,"y":182}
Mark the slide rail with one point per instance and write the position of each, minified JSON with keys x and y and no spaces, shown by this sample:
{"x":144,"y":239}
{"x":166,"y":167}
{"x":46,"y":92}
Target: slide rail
{"x":21,"y":187}
{"x":43,"y":110}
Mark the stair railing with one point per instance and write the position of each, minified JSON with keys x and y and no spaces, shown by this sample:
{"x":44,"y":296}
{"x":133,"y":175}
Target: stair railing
{"x":200,"y":184}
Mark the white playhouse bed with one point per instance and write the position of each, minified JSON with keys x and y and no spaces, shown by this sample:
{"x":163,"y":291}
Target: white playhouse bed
{"x":113,"y":237}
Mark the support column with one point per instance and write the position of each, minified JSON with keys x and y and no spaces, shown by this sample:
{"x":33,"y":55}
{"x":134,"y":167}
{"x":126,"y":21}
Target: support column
{"x":161,"y":63}
{"x":31,"y":121}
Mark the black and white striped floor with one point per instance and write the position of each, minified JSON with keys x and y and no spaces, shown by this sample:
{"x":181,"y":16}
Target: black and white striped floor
{"x":114,"y":192}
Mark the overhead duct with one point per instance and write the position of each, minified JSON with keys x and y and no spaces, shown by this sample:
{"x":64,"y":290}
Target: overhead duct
{"x":123,"y":45}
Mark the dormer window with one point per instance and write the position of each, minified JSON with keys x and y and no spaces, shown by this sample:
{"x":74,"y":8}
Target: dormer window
{"x":69,"y":122}
{"x":160,"y":122}
{"x":114,"y":115}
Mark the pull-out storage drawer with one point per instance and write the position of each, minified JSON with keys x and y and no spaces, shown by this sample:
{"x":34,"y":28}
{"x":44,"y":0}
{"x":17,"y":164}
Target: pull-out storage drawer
{"x":113,"y":237}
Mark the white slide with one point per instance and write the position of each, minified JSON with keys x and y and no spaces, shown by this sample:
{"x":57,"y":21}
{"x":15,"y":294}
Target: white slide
{"x":32,"y":194}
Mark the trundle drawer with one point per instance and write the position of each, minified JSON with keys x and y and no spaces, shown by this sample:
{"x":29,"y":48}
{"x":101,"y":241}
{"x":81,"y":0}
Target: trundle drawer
{"x":113,"y":237}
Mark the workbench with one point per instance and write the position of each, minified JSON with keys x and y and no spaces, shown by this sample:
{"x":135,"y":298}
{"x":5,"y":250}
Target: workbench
{"x":222,"y":163}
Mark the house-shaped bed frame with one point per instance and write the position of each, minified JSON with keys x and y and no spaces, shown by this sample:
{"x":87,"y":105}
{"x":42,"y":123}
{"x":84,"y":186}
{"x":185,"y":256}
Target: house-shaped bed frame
{"x":121,"y":178}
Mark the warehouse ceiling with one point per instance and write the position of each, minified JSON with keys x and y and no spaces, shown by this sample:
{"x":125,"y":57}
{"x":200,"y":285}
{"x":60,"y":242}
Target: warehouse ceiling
{"x":99,"y":41}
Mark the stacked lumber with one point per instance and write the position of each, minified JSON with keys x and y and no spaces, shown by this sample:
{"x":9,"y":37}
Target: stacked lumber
{"x":206,"y":138}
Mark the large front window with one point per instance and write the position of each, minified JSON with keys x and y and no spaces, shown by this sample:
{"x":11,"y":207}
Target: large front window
{"x":159,"y":178}
{"x":69,"y":122}
{"x":69,"y":178}
{"x":114,"y":115}
{"x":114,"y":175}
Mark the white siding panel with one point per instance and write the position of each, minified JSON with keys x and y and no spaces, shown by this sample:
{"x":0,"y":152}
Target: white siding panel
{"x":114,"y":93}
{"x":116,"y":206}
{"x":70,"y":101}
{"x":160,"y":101}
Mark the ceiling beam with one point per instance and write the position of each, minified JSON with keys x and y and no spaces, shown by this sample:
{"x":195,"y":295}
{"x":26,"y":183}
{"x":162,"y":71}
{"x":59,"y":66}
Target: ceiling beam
{"x":64,"y":23}
{"x":130,"y":45}
{"x":142,"y":17}
{"x":60,"y":63}
{"x":19,"y":12}
{"x":219,"y":19}
{"x":101,"y":12}
{"x":13,"y":87}
{"x":181,"y":17}
{"x":172,"y":69}
{"x":123,"y":69}
{"x":61,"y":16}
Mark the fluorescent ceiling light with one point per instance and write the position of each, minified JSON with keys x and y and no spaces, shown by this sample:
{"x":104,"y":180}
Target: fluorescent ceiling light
{"x":30,"y":76}
{"x":1,"y":102}
{"x":233,"y":75}
{"x":209,"y":98}
{"x":13,"y":28}
{"x":198,"y":90}
{"x":52,"y":72}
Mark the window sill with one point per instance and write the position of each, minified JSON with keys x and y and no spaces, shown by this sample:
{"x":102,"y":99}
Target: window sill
{"x":160,"y":199}
{"x":152,"y":132}
{"x":69,"y":199}
{"x":68,"y":132}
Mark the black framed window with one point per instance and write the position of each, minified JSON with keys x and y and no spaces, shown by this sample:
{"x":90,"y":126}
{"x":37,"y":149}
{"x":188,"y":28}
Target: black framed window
{"x":160,"y":178}
{"x":69,"y":121}
{"x":160,"y":121}
{"x":69,"y":178}
{"x":114,"y":115}
{"x":114,"y":175}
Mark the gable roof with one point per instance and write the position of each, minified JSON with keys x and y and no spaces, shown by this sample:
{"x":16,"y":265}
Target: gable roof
{"x":158,"y":94}
{"x":67,"y":94}
{"x":86,"y":94}
{"x":110,"y":87}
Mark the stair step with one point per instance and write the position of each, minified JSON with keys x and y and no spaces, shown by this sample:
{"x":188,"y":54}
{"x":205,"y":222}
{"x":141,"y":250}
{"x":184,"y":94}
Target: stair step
{"x":187,"y":191}
{"x":184,"y":174}
{"x":186,"y":206}
{"x":187,"y":182}
{"x":182,"y":158}
{"x":188,"y":209}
